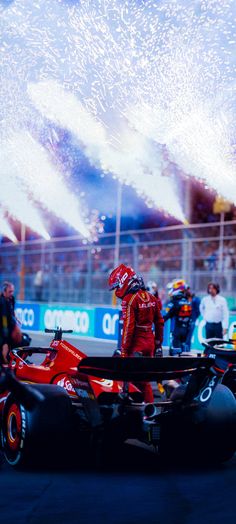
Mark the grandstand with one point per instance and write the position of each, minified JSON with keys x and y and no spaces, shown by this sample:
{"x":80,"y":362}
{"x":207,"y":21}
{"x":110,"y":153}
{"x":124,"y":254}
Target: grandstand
{"x":74,"y":272}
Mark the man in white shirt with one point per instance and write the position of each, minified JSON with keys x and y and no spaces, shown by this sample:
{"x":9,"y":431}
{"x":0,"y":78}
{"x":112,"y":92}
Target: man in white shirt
{"x":215,"y":312}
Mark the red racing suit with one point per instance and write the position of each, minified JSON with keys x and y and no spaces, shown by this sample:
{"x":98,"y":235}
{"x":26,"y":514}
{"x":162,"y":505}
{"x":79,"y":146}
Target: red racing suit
{"x":140,"y":311}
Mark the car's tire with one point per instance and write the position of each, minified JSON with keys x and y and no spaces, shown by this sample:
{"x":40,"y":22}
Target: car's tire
{"x":106,"y":443}
{"x":37,"y":436}
{"x":216,"y":432}
{"x":207,"y":435}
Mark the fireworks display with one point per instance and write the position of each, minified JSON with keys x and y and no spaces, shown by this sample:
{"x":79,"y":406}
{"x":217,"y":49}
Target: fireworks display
{"x":126,"y":78}
{"x":5,"y":229}
{"x":14,"y":198}
{"x":136,"y":161}
{"x":28,"y":163}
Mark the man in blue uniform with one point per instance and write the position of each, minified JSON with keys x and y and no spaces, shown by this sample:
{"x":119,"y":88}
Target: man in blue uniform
{"x":179,"y":310}
{"x":195,"y":303}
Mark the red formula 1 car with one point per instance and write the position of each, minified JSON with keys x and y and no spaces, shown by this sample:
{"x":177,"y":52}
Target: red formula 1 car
{"x":92,"y":405}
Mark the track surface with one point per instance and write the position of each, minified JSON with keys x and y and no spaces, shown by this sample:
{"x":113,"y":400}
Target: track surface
{"x":138,"y":492}
{"x":88,"y":346}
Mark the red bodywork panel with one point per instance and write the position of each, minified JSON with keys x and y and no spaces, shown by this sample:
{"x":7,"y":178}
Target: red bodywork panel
{"x":58,"y":365}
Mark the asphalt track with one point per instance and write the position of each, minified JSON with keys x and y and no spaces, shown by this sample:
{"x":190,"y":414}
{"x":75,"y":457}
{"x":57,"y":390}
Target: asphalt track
{"x":138,"y":491}
{"x":90,"y":346}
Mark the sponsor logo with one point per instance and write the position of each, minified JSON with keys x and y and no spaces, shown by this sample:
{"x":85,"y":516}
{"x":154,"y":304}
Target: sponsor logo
{"x":109,"y":323}
{"x":71,"y":351}
{"x":207,"y":392}
{"x":106,"y":323}
{"x":25,"y":315}
{"x":55,"y":343}
{"x":149,"y":304}
{"x":67,"y":319}
{"x":66,"y":384}
{"x":104,"y":382}
{"x":231,"y":329}
{"x":23,"y":426}
{"x":200,"y":330}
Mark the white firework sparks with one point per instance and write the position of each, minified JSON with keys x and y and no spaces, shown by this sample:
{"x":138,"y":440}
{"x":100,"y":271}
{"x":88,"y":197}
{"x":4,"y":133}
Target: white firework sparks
{"x":5,"y":229}
{"x":134,"y":162}
{"x":29,"y":163}
{"x":141,"y":72}
{"x":16,"y":202}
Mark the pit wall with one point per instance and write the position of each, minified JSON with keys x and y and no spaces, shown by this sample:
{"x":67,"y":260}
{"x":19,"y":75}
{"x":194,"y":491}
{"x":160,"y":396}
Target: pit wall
{"x":95,"y":322}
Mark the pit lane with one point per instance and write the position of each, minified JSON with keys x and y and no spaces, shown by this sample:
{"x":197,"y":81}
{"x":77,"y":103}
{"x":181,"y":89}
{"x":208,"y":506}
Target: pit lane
{"x":139,"y":491}
{"x":90,"y":346}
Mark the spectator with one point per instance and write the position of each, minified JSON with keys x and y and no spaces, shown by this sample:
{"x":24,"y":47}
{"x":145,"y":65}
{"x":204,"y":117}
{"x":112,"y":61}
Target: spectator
{"x":38,"y":285}
{"x":152,"y":288}
{"x":211,"y":261}
{"x":214,"y":310}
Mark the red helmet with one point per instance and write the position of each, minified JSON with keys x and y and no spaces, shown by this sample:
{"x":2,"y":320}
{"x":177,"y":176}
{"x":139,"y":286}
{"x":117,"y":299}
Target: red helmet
{"x":121,"y":278}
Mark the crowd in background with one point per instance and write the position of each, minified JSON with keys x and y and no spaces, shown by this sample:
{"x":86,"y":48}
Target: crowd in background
{"x":69,"y":271}
{"x":161,"y":257}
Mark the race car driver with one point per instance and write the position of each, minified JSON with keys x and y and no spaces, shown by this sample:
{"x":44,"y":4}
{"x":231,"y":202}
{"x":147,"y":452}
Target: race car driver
{"x":140,"y":312}
{"x":179,"y":310}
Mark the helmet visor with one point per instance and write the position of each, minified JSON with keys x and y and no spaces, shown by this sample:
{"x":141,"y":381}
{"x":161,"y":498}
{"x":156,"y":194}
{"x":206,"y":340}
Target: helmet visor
{"x":114,"y":285}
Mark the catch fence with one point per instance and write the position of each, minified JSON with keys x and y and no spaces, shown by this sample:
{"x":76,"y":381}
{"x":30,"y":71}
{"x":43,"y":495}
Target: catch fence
{"x":68,"y":270}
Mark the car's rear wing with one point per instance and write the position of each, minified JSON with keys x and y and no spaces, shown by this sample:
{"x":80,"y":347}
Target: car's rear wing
{"x":143,"y":368}
{"x":223,"y":349}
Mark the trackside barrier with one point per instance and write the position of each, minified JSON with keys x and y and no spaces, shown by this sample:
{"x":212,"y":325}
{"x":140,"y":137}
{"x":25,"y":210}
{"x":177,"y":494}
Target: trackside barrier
{"x":29,"y":315}
{"x":95,"y":322}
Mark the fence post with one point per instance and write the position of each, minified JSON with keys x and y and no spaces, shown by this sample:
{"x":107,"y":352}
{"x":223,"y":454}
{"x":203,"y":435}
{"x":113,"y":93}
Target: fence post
{"x":89,"y":277}
{"x":22,"y":264}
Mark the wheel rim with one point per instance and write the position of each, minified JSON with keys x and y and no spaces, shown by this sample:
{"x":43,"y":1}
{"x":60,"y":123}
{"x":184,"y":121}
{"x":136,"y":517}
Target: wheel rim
{"x":14,"y":427}
{"x":13,"y":432}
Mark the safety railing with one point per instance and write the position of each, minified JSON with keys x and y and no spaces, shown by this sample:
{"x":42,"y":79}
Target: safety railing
{"x":67,"y":270}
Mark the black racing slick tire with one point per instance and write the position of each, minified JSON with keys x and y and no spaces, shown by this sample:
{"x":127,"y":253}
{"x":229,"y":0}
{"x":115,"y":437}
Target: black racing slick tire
{"x":216,"y":432}
{"x":32,"y":438}
{"x":106,"y":444}
{"x":206,"y":435}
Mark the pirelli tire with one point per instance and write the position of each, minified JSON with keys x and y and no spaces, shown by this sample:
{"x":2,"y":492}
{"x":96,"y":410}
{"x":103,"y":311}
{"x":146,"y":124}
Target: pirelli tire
{"x":203,"y":435}
{"x":216,"y":427}
{"x":33,"y":438}
{"x":106,"y":445}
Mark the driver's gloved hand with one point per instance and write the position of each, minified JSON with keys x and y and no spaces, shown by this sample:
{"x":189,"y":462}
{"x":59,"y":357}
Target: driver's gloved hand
{"x":158,"y":350}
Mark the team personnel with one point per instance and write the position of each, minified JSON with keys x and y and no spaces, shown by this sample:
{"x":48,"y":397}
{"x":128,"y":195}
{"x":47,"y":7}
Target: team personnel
{"x":195,"y":303}
{"x":179,"y":310}
{"x":7,"y":319}
{"x":152,"y":288}
{"x":140,"y":312}
{"x":214,"y":309}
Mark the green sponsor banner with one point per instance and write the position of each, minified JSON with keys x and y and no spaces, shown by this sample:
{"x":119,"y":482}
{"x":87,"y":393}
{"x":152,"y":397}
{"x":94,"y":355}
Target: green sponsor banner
{"x":79,"y":319}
